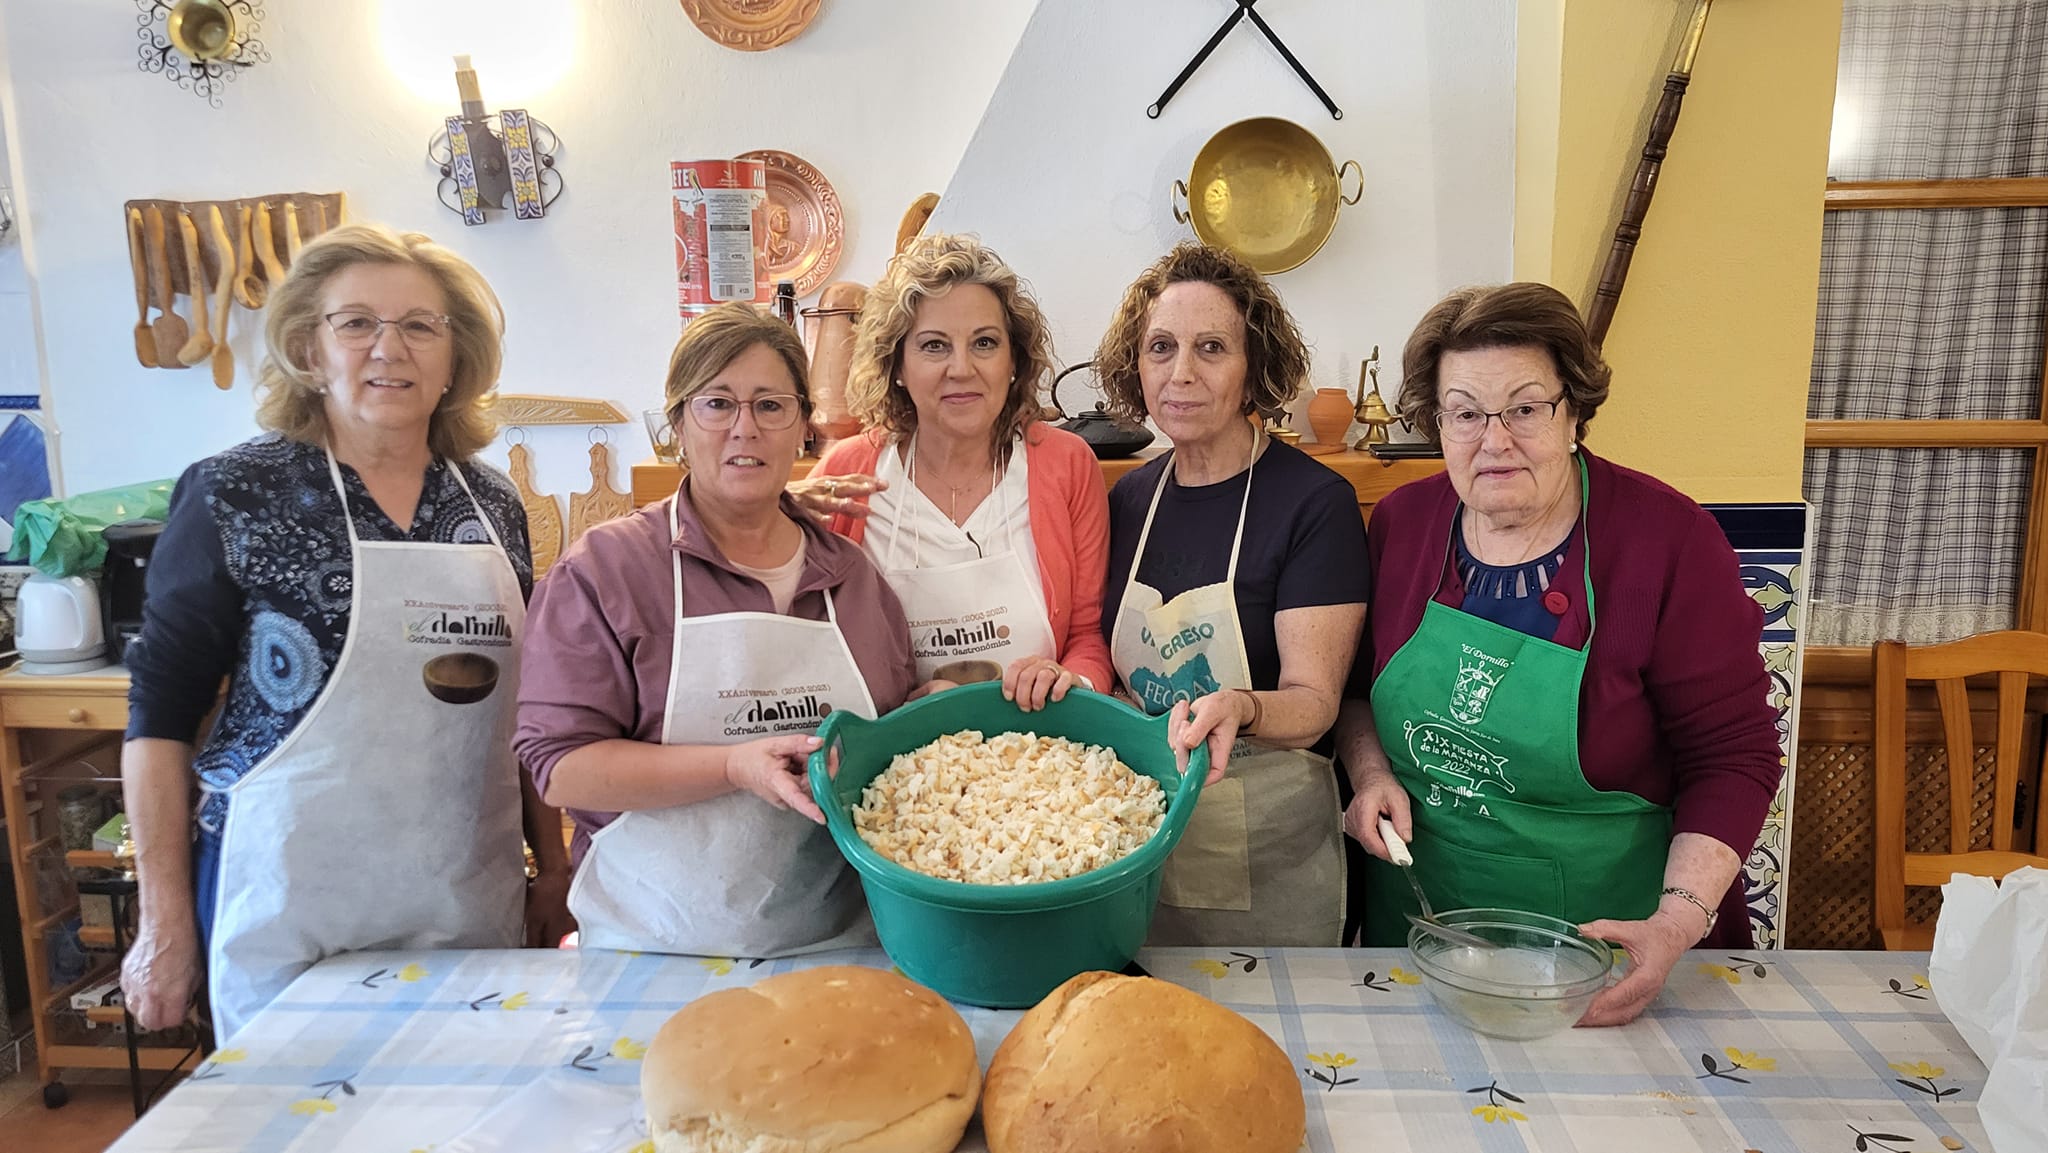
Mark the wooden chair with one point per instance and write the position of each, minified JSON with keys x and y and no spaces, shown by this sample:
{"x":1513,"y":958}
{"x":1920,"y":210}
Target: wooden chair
{"x":2013,"y":656}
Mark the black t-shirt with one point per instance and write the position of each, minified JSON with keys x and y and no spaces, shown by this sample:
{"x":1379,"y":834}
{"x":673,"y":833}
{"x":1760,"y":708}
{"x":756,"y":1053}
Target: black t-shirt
{"x":1304,"y":544}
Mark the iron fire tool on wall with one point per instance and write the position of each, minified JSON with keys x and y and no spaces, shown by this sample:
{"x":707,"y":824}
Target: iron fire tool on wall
{"x":1244,"y":9}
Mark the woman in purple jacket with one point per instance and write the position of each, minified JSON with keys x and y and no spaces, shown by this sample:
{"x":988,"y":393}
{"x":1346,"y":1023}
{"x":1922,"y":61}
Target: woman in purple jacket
{"x":679,"y":659}
{"x":1567,"y":711}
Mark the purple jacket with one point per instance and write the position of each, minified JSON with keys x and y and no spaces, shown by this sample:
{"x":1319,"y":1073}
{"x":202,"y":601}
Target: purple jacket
{"x":1674,"y":707}
{"x":599,"y":631}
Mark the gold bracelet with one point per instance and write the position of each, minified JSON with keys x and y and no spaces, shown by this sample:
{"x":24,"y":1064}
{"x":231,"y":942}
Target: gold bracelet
{"x":1258,"y":714}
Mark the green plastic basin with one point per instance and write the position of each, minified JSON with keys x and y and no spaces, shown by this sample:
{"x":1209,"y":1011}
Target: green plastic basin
{"x":1004,"y":946}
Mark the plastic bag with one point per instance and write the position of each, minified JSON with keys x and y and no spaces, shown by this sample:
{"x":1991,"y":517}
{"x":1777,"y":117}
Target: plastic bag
{"x":1989,"y":971}
{"x":61,"y":536}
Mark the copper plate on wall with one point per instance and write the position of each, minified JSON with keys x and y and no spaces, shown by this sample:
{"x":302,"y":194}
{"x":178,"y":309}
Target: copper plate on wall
{"x":752,"y":25}
{"x":806,"y":229}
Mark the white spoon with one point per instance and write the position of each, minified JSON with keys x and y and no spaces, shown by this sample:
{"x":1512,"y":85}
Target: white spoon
{"x":1397,"y":851}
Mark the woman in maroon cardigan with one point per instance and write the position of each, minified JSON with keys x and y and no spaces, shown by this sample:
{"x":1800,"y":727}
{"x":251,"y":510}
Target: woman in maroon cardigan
{"x":1567,"y":710}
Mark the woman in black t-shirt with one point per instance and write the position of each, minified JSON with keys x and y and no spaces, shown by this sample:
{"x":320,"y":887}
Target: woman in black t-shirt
{"x":1238,"y":580}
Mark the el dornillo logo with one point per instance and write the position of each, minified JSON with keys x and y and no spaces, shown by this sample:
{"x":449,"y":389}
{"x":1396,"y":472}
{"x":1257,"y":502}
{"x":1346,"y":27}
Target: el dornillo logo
{"x":442,"y":625}
{"x":963,"y":638}
{"x":777,"y":715}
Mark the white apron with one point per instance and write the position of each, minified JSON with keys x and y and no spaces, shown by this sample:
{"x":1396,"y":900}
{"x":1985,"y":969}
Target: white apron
{"x":390,"y":817}
{"x":968,"y":621}
{"x":1262,"y":861}
{"x":732,"y":876}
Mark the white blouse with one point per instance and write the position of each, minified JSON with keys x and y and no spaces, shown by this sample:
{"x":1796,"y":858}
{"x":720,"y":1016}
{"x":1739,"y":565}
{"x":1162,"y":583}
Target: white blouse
{"x":906,"y":529}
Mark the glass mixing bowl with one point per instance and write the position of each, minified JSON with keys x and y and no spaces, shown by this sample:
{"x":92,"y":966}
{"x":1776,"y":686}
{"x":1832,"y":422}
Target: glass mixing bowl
{"x":1538,"y":980}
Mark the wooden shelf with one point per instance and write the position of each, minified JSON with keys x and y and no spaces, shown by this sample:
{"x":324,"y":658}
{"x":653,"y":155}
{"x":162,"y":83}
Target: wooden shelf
{"x":96,"y":936}
{"x":1993,"y":192}
{"x":60,"y":1001}
{"x":95,"y":859}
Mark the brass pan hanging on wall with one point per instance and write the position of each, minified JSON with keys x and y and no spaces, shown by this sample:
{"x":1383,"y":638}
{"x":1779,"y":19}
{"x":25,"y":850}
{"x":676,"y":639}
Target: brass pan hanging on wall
{"x":201,"y":29}
{"x":1266,"y":190}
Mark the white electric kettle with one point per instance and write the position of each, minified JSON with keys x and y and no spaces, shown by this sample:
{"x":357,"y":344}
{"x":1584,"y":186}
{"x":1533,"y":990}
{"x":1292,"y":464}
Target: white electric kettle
{"x":57,"y":625}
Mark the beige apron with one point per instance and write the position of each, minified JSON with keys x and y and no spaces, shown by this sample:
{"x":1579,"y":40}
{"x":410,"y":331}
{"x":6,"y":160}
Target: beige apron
{"x":389,"y":818}
{"x":981,"y":614}
{"x":732,"y":876}
{"x":1262,"y":862}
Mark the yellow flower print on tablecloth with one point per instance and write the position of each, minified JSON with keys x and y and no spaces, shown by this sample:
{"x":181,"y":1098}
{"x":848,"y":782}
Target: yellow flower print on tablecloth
{"x":515,"y":1002}
{"x":1499,"y":1104}
{"x":627,"y":1049}
{"x":229,"y":1056}
{"x":312,"y":1106}
{"x":1404,"y":977}
{"x":1722,"y":972}
{"x":1210,"y":967}
{"x":412,"y":973}
{"x":642,"y":1147}
{"x":1333,"y":1062}
{"x":716,"y":966}
{"x":1492,"y":1113}
{"x":1927,"y":1073}
{"x":1743,"y":1059}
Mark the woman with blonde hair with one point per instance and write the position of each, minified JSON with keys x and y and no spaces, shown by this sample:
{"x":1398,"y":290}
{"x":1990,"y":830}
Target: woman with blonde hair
{"x":992,"y":527}
{"x":359,"y":579}
{"x":680,"y":660}
{"x":1238,"y":569}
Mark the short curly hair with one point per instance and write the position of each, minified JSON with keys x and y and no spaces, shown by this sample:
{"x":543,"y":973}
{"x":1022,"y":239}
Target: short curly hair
{"x":1276,"y":356}
{"x":931,"y":266}
{"x":289,"y":397}
{"x":1519,"y":315}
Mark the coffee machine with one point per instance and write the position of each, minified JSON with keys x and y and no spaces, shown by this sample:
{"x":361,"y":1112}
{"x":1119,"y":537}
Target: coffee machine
{"x":129,"y":544}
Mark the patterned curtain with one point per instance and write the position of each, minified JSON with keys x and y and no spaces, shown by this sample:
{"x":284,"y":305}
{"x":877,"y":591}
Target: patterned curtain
{"x":1929,"y":314}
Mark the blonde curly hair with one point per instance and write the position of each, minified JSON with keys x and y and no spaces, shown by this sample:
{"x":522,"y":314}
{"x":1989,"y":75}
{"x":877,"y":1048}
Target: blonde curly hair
{"x":289,"y":396}
{"x":931,"y":266}
{"x":1276,"y":357}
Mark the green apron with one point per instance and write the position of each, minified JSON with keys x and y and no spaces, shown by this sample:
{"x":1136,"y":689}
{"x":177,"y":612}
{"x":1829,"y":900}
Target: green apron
{"x":1481,"y":725}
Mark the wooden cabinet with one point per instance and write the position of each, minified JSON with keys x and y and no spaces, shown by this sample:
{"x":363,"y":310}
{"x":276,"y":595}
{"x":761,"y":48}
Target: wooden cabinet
{"x":57,"y":733}
{"x":1372,"y":477}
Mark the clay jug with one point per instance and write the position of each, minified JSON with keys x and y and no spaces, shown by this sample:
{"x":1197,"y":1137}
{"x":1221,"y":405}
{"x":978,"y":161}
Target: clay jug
{"x":1329,"y":416}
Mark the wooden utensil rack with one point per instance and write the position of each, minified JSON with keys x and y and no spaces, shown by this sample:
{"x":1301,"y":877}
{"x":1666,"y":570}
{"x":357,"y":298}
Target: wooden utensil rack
{"x":314,"y":213}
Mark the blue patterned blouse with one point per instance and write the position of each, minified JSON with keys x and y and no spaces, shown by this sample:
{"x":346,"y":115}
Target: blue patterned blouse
{"x":251,"y":580}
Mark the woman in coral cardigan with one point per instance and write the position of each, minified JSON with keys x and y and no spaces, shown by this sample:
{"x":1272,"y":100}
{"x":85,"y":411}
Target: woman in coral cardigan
{"x":992,"y":527}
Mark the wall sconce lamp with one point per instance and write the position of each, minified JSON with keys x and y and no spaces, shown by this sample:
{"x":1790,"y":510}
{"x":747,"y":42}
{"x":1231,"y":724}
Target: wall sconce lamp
{"x":482,"y":164}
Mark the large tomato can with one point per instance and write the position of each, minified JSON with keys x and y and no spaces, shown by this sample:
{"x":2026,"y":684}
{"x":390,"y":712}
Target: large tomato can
{"x":721,"y":227}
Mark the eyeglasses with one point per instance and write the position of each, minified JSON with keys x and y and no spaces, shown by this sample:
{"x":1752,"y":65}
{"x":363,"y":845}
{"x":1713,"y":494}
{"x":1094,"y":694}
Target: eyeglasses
{"x":1465,"y":425}
{"x":771,"y":413}
{"x":356,"y":331}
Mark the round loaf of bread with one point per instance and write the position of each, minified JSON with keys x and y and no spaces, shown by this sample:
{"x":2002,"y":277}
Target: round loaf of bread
{"x":1136,"y":1065}
{"x":839,"y":1059}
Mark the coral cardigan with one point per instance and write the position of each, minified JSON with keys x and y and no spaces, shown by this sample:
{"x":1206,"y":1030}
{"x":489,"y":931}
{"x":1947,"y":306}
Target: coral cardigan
{"x":1069,"y":526}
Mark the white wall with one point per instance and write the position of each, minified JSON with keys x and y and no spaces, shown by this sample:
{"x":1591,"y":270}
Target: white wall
{"x":1070,"y":181}
{"x":881,"y":95}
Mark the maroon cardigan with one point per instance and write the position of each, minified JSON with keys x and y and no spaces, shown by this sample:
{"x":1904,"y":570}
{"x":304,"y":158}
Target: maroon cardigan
{"x":1674,"y":706}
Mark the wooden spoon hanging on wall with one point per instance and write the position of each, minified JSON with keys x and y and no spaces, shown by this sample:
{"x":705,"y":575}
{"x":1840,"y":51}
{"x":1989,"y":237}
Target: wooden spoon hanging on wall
{"x":169,"y":327}
{"x":250,"y":291}
{"x":602,"y":502}
{"x":138,"y":258}
{"x":200,"y":346}
{"x":292,"y":243}
{"x":224,"y":252}
{"x":266,"y":246}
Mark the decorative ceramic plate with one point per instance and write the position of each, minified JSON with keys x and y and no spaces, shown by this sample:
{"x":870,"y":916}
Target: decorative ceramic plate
{"x":752,"y":25}
{"x":806,"y":229}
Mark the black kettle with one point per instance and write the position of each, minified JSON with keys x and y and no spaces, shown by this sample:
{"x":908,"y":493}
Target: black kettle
{"x":1112,"y":439}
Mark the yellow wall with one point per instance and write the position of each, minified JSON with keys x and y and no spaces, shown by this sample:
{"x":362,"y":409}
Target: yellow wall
{"x":1713,"y":339}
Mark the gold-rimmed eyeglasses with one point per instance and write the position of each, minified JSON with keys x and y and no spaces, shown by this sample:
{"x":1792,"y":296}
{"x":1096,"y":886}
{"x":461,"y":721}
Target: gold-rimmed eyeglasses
{"x":771,"y":413}
{"x":1527,"y":419}
{"x":356,"y":331}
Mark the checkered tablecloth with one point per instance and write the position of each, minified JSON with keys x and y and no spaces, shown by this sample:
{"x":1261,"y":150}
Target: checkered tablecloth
{"x":466,"y":1052}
